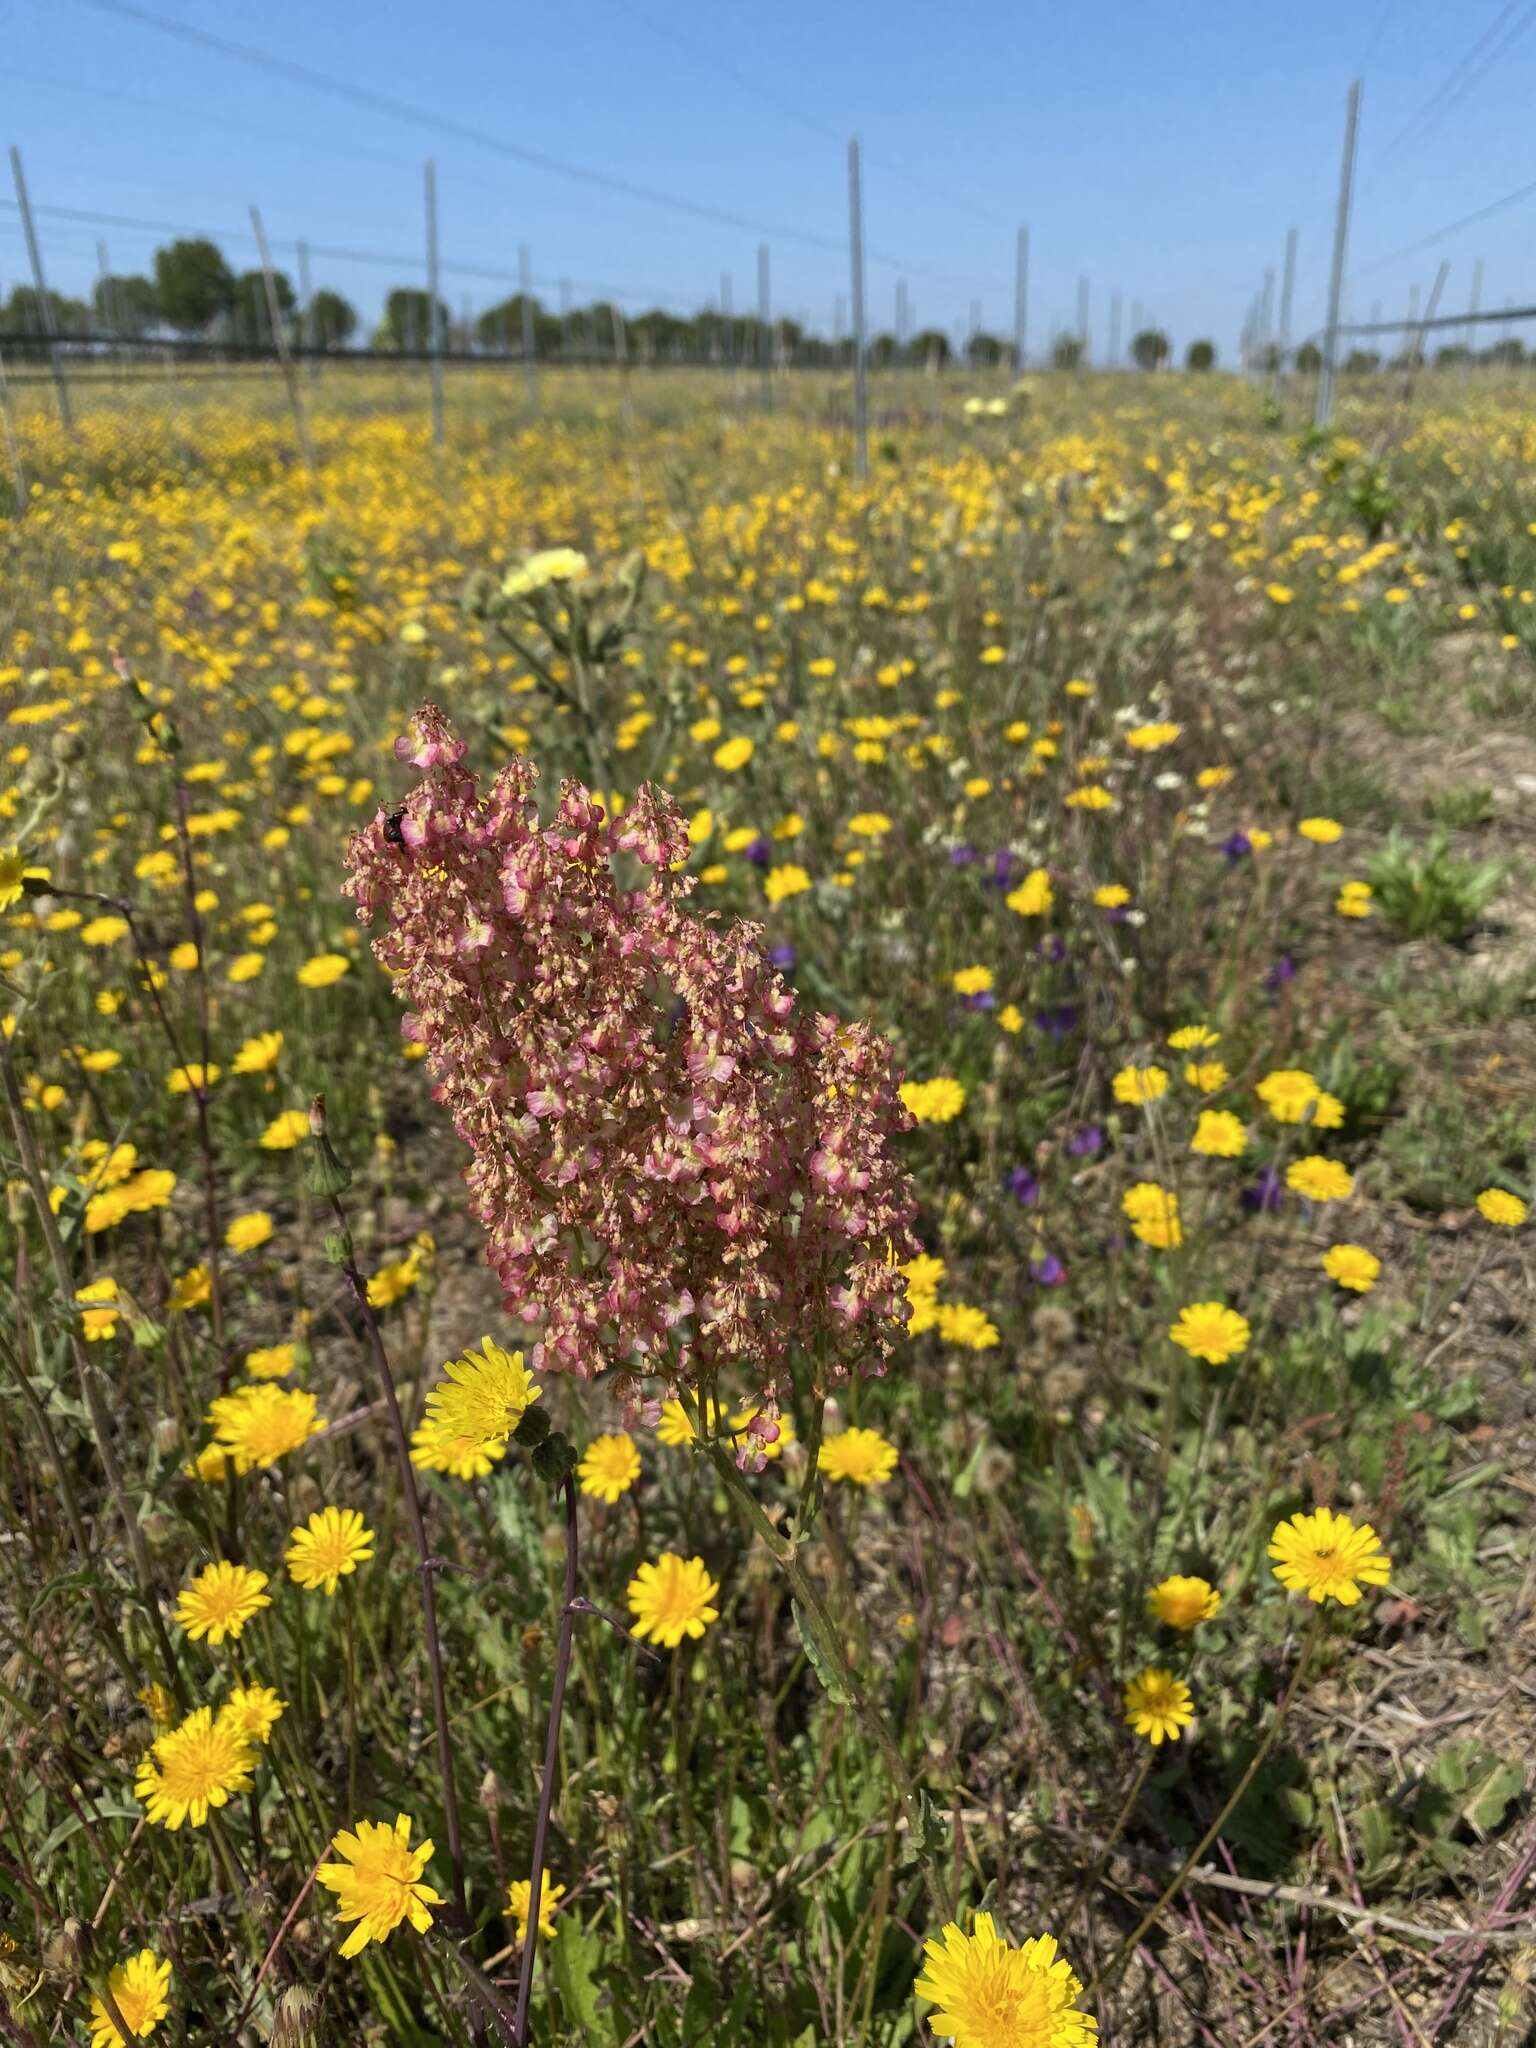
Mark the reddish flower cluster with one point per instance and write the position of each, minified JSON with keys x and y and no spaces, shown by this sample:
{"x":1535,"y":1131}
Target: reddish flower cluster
{"x":675,"y":1172}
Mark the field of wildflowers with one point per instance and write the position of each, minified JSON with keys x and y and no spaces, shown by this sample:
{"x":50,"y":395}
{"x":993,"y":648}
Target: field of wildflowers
{"x":765,"y":1262}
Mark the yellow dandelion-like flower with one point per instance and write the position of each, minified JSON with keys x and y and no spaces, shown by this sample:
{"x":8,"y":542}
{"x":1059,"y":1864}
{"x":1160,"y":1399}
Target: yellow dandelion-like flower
{"x":220,"y":1601}
{"x":191,"y":1289}
{"x":1320,"y":1179}
{"x":861,"y":1456}
{"x":436,"y":1449}
{"x":378,"y":1882}
{"x":518,"y":1894}
{"x":673,"y":1598}
{"x":329,"y":1548}
{"x":201,"y":1764}
{"x":1206,"y":1075}
{"x":971,"y":981}
{"x":1193,"y":1037}
{"x":253,"y":1711}
{"x":258,"y":1055}
{"x":1352,"y":1266}
{"x":1208,"y":1330}
{"x":609,"y":1467}
{"x":271,"y":1361}
{"x":13,"y":867}
{"x":1327,"y":1112}
{"x":676,"y":1425}
{"x":1182,"y":1603}
{"x":1321,"y":831}
{"x":960,"y":1323}
{"x":141,"y":1991}
{"x":1153,"y":1213}
{"x":1158,"y":1705}
{"x":1497,"y":1205}
{"x":549,"y":565}
{"x":258,"y":1425}
{"x":1326,"y":1557}
{"x":485,"y":1396}
{"x":938,"y":1101}
{"x":182,"y":1080}
{"x":1136,"y":1086}
{"x":988,"y":1994}
{"x":1218,"y":1134}
{"x":1034,"y":896}
{"x":1147,"y":739}
{"x":1288,"y":1093}
{"x":323,"y":970}
{"x":285,"y":1131}
{"x":246,"y":1233}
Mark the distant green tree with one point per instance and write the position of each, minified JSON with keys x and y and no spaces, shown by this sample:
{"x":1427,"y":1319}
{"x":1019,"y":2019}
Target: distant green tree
{"x":658,"y":336}
{"x":408,"y":318}
{"x":602,"y":329}
{"x":1309,"y":359}
{"x":985,"y":351}
{"x":1361,"y":361}
{"x":1149,"y":349}
{"x":1066,"y":352}
{"x":333,"y":320}
{"x":501,"y":327}
{"x":24,"y":311}
{"x":194,"y":286}
{"x":882,"y":351}
{"x":125,"y":305}
{"x":1449,"y":358}
{"x":1508,"y":354}
{"x":23,"y":314}
{"x":248,"y":308}
{"x":1200,"y":355}
{"x":930,"y":348}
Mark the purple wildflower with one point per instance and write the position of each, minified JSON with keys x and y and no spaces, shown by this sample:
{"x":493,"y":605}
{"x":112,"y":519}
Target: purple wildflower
{"x":1267,"y":1192}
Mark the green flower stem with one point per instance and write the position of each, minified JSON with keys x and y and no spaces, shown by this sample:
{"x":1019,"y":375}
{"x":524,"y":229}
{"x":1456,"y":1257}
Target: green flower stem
{"x":1155,"y":1911}
{"x":426,"y":1566}
{"x":829,"y":1642}
{"x":568,"y":1613}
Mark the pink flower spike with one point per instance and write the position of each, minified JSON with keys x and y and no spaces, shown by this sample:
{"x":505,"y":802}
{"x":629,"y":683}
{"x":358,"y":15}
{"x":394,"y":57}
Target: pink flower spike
{"x":676,"y":1171}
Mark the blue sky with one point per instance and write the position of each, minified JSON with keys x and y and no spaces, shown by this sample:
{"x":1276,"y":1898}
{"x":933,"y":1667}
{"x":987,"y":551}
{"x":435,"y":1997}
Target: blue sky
{"x":1162,"y":150}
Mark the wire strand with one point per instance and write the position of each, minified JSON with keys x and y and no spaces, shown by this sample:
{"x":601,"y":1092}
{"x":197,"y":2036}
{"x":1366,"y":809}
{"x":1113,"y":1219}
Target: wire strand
{"x":461,"y":131}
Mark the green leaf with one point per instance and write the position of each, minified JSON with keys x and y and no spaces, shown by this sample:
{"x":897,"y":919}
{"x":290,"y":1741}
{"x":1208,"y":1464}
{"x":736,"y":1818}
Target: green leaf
{"x":1490,"y":1796}
{"x":1376,"y":1833}
{"x":930,"y":1837}
{"x":574,"y":1955}
{"x":1472,"y":1625}
{"x":828,"y":1678}
{"x":104,"y":1810}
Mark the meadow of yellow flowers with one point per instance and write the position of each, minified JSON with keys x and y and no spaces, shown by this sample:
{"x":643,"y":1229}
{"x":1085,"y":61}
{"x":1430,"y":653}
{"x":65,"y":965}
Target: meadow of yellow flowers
{"x":765,"y":1256}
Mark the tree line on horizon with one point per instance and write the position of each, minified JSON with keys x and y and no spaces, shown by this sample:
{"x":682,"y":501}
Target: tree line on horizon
{"x":194,"y":294}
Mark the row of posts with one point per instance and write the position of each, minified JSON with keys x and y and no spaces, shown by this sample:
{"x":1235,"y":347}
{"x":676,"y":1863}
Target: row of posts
{"x":48,"y":315}
{"x":1326,"y":381}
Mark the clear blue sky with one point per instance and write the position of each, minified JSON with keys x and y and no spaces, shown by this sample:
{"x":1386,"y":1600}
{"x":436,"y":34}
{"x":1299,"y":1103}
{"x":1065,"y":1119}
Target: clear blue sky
{"x":1162,"y":149}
